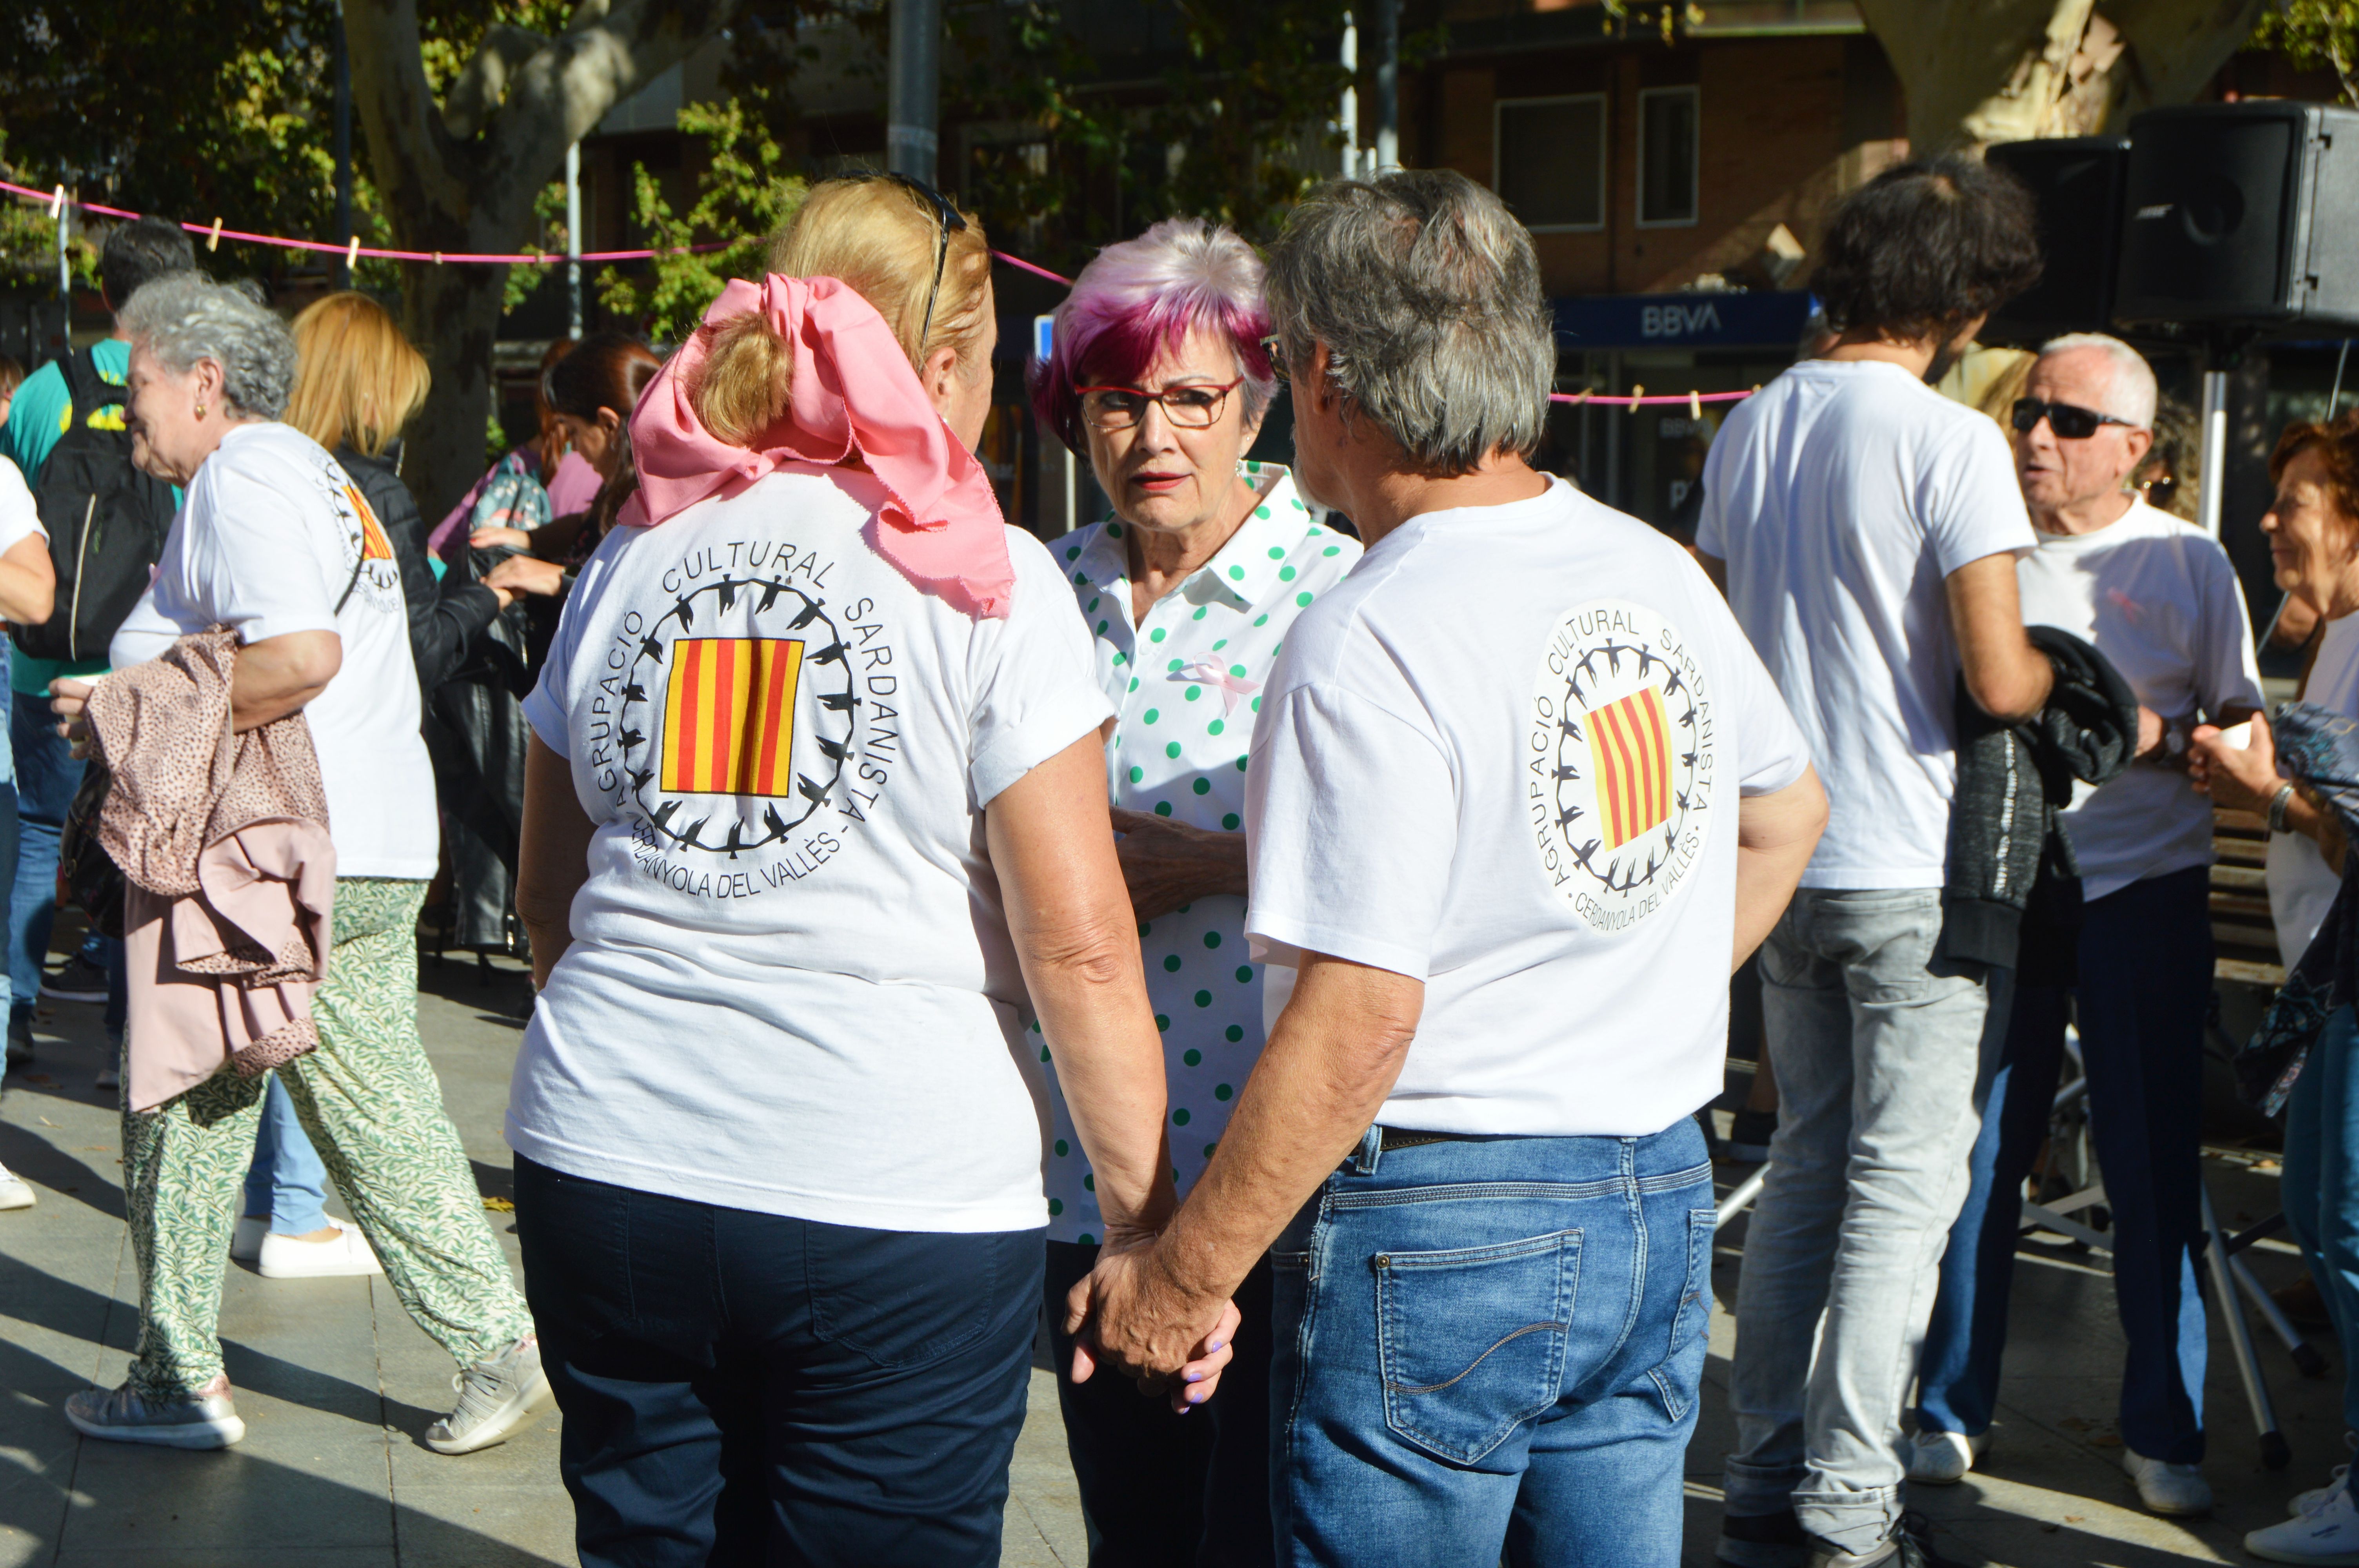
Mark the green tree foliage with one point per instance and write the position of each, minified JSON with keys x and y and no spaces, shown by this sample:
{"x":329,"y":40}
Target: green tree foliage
{"x":1236,"y":128}
{"x":198,"y":109}
{"x":2316,"y":34}
{"x":744,"y":195}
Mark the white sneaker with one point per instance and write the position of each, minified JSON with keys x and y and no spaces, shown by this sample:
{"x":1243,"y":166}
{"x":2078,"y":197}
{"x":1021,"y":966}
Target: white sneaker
{"x":205,"y":1419}
{"x":2304,"y":1501}
{"x":292,"y":1257}
{"x":2173,"y":1490}
{"x":1942,"y":1458}
{"x":2326,"y":1535}
{"x":246,"y":1241}
{"x":495,"y":1397}
{"x":14,"y":1193}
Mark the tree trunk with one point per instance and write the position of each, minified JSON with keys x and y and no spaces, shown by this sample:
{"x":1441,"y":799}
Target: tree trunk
{"x":1978,"y":71}
{"x":461,"y":175}
{"x":452,"y":314}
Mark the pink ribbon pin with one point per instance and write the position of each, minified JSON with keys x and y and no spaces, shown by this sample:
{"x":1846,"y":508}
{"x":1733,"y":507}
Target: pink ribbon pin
{"x":1204,"y":672}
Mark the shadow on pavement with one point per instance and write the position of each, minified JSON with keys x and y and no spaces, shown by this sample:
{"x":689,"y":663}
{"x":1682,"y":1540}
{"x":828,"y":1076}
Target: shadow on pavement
{"x":51,"y":1168}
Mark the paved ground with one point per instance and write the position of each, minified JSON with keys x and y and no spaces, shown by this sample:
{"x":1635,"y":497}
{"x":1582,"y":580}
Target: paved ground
{"x":335,"y":1385}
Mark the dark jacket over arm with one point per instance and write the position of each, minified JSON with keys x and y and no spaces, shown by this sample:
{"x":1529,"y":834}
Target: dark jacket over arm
{"x":445,"y":617}
{"x":2014,"y":781}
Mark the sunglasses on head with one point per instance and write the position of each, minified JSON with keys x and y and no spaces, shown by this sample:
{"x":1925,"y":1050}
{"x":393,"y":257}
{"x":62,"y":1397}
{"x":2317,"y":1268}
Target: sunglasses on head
{"x":948,"y":221}
{"x":2070,"y":421}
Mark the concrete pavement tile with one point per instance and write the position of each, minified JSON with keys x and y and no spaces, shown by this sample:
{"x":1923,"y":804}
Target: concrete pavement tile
{"x":269,"y":1492}
{"x":241,"y":1557}
{"x":474,"y":1521}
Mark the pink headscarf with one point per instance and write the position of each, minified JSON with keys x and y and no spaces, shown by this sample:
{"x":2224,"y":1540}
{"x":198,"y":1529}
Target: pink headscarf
{"x":854,"y":398}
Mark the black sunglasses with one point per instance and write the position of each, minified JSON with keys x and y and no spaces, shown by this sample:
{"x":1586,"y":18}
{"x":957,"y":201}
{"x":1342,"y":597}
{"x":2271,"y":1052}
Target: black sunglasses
{"x":2070,"y":421}
{"x":948,"y":221}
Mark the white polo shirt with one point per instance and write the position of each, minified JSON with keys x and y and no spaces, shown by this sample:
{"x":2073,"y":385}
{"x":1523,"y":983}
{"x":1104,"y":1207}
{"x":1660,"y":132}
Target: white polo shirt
{"x":1504,"y":757}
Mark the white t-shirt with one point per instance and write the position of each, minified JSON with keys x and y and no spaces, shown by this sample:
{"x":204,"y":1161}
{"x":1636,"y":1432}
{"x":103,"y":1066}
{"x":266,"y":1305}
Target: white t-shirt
{"x":268,"y":538}
{"x":1503,"y":756}
{"x":791,"y":988}
{"x":2301,"y":884}
{"x":1842,"y":496}
{"x":20,"y":517}
{"x":2159,"y":599}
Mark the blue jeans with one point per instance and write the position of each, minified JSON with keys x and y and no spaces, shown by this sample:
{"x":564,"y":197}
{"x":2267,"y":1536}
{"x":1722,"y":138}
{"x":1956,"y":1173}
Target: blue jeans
{"x":2145,"y":984}
{"x":2320,"y":1184}
{"x":1879,"y":1047}
{"x":1490,"y":1344}
{"x":288,"y":1180}
{"x":47,"y":777}
{"x":746,"y":1388}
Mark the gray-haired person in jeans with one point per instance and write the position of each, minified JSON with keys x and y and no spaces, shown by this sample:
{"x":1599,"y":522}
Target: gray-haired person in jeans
{"x":1866,"y":531}
{"x":1520,"y":797}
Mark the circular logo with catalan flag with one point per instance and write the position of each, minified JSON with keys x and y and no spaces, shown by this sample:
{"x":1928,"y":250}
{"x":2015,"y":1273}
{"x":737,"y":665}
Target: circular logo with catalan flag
{"x":376,"y":576}
{"x":1618,"y":761}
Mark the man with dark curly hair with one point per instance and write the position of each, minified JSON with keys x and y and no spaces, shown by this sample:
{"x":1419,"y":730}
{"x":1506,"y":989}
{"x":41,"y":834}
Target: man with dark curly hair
{"x":1867,"y":532}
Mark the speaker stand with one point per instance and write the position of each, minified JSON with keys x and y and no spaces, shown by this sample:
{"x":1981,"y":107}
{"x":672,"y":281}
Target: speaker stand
{"x":2215,"y":446}
{"x":2223,"y":349}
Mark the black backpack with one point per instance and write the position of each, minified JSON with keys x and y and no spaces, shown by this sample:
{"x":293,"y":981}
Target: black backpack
{"x":107,"y":520}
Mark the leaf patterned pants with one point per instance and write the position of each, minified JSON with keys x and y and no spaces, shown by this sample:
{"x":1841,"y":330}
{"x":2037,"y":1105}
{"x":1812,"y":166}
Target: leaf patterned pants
{"x":370,"y":1101}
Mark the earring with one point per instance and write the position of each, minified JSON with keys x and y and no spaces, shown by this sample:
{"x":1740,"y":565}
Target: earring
{"x":200,"y":410}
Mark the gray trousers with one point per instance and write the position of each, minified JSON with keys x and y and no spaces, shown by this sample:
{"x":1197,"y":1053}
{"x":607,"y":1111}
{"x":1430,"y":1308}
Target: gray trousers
{"x":1878,"y":1049}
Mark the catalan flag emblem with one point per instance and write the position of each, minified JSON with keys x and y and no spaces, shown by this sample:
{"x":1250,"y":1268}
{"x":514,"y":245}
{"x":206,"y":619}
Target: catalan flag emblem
{"x":729,"y":715}
{"x":375,"y":545}
{"x":1630,"y":751}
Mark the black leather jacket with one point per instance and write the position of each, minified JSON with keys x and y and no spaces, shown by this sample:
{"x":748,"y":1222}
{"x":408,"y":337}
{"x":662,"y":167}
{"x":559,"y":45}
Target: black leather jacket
{"x":445,"y":617}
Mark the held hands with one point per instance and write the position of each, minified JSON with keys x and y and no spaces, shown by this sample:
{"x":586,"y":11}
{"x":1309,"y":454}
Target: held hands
{"x":1130,"y":1315}
{"x":2242,"y":778}
{"x":69,"y":700}
{"x":1167,"y":863}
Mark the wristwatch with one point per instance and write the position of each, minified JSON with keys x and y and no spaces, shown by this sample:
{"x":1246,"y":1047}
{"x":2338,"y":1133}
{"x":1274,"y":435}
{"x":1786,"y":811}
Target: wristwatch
{"x":2277,"y":803}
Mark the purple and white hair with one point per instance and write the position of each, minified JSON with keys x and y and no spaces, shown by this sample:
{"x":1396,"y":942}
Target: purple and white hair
{"x":1141,"y":297}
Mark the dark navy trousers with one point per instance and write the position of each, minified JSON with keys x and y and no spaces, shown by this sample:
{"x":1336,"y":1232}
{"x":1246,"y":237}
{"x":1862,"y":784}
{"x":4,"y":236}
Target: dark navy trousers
{"x":745,"y":1389}
{"x":2143,"y":991}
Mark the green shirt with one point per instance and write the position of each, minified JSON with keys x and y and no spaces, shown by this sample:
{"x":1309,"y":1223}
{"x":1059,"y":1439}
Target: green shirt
{"x":40,"y":413}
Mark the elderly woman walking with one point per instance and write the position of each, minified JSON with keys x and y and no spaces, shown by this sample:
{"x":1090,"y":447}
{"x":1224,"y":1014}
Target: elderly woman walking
{"x":275,"y":542}
{"x":1160,"y":378}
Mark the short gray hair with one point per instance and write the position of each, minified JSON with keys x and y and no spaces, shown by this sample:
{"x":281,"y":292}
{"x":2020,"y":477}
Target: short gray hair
{"x":1427,"y":293}
{"x":2132,"y":389}
{"x":185,"y":317}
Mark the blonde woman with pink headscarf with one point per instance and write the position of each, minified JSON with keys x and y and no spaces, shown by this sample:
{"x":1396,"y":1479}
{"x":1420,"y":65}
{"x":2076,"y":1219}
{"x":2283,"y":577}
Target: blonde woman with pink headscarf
{"x":815,"y":796}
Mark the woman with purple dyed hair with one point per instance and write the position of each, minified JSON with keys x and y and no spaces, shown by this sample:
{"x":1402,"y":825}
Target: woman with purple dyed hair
{"x":1160,"y":377}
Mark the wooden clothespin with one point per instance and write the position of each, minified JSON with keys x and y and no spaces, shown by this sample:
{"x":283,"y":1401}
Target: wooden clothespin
{"x":1695,"y":406}
{"x":213,"y":241}
{"x":1636,"y":393}
{"x":352,"y":252}
{"x":56,"y":203}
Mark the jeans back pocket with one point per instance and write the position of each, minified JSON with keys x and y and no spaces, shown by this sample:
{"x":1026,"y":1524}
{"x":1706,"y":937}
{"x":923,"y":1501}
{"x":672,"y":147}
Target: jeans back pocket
{"x":1471,"y":1341}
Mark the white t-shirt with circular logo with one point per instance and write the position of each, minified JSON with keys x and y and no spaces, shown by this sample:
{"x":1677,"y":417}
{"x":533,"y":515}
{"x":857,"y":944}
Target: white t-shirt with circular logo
{"x":1504,"y":757}
{"x":791,"y":988}
{"x":269,"y":535}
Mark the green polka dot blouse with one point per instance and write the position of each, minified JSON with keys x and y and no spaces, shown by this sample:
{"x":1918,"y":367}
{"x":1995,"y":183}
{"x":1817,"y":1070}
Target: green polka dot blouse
{"x":1204,"y":655}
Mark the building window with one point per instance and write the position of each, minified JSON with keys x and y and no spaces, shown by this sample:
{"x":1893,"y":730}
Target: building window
{"x":1549,"y":161}
{"x":1667,"y":155}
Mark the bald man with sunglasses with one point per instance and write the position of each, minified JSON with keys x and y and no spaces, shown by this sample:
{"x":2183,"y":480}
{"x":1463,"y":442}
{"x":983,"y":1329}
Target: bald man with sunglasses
{"x":2159,"y":599}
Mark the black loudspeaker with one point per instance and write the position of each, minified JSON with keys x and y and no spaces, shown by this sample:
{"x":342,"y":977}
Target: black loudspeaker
{"x":2242,"y":214}
{"x":2078,"y":183}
